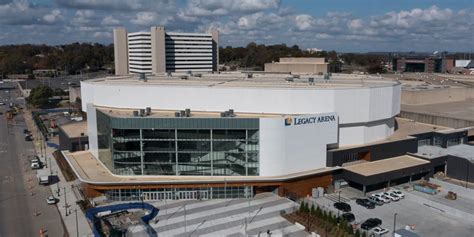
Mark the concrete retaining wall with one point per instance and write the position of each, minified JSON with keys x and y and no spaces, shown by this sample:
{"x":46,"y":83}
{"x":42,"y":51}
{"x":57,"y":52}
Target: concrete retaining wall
{"x":436,"y":96}
{"x":436,"y":119}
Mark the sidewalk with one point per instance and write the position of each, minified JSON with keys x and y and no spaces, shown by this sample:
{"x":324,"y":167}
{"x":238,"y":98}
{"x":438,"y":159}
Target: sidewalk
{"x":83,"y":228}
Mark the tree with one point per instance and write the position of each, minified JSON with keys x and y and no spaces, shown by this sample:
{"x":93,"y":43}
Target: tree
{"x":313,"y":211}
{"x":357,"y":233}
{"x":39,"y":96}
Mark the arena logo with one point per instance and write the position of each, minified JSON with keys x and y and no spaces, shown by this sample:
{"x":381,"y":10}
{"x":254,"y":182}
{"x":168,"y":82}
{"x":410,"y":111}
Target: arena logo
{"x":309,"y":120}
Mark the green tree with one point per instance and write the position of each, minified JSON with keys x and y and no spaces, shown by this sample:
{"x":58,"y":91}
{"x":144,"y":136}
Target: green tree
{"x":357,"y":233}
{"x":39,"y":96}
{"x":313,"y":211}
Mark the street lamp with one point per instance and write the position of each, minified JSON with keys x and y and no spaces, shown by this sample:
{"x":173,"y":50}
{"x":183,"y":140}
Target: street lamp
{"x":394,"y":223}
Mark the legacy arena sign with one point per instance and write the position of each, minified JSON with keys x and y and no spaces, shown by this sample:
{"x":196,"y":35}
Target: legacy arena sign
{"x":309,"y":120}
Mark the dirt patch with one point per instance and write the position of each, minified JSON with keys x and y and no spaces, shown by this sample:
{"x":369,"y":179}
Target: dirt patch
{"x":64,"y":166}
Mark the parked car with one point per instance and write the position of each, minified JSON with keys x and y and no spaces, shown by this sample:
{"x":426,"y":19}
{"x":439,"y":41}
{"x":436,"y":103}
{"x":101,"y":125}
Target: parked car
{"x":392,"y":196}
{"x":382,"y":197}
{"x":379,"y":230}
{"x":370,"y":223}
{"x":376,"y":200}
{"x":398,"y":193}
{"x":347,"y":216}
{"x":365,"y":203}
{"x":26,"y":131}
{"x":342,"y":206}
{"x":36,"y":165}
{"x":2,"y":103}
{"x":51,"y":200}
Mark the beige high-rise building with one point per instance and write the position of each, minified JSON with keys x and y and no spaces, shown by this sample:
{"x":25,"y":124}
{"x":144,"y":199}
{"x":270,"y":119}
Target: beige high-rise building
{"x":158,"y":51}
{"x":298,"y":65}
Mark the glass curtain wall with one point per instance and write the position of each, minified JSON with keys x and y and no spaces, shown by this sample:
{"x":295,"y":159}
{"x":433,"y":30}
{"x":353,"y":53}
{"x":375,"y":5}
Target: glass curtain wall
{"x":224,"y":152}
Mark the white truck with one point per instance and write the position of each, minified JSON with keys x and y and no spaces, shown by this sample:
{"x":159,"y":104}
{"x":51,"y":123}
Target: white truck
{"x":43,"y":177}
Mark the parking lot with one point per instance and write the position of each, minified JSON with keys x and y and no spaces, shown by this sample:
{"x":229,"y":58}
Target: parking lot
{"x":414,"y":210}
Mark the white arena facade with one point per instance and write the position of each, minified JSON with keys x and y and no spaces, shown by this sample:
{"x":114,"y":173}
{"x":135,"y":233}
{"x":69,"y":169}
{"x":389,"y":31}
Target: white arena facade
{"x":366,"y":106}
{"x":208,"y":132}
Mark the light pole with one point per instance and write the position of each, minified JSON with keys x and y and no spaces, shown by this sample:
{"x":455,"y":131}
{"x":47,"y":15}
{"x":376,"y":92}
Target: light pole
{"x":394,"y":223}
{"x":65,"y":200}
{"x":77,"y":226}
{"x":185,"y":223}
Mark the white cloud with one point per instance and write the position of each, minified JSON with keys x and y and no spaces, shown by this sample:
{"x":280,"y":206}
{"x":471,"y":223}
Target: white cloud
{"x":102,"y":34}
{"x":52,"y":17}
{"x":303,"y":22}
{"x":110,"y":21}
{"x":225,"y":7}
{"x":145,"y":19}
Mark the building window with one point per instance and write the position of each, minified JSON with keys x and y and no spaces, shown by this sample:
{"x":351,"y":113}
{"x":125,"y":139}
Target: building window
{"x":454,"y":141}
{"x":424,"y":142}
{"x":437,"y":141}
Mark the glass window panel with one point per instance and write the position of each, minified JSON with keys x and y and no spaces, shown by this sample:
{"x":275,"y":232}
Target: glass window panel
{"x":194,"y":134}
{"x":159,"y":146}
{"x":194,"y":146}
{"x":222,"y":134}
{"x":127,"y":146}
{"x":158,"y":133}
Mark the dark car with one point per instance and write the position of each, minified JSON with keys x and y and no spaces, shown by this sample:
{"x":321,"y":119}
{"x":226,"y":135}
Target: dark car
{"x":342,"y":206}
{"x":26,"y":131}
{"x":28,"y":138}
{"x":365,"y":203}
{"x":370,"y":223}
{"x":347,"y":216}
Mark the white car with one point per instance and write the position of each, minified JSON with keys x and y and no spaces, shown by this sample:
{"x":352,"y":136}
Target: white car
{"x":51,"y":200}
{"x":379,"y":230}
{"x":398,"y":193}
{"x":382,"y":197}
{"x":392,"y":196}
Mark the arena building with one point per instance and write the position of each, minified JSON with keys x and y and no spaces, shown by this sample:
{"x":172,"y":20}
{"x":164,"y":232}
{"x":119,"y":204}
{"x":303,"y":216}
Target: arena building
{"x":225,"y":135}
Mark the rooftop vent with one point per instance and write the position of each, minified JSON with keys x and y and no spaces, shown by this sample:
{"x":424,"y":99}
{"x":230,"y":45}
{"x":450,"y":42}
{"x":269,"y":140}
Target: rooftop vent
{"x":198,"y":75}
{"x":289,"y":79}
{"x":183,"y":77}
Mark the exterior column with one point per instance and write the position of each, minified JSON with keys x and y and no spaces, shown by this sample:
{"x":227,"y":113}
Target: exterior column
{"x":121,"y":51}
{"x":141,"y":152}
{"x":364,"y":189}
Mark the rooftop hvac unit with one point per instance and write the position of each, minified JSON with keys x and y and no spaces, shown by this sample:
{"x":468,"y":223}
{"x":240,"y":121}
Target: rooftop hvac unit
{"x":142,"y":113}
{"x":198,"y":75}
{"x":148,"y":111}
{"x":289,"y":79}
{"x":183,"y":77}
{"x":168,"y":74}
{"x":311,"y":81}
{"x":177,"y":114}
{"x":249,"y":75}
{"x":182,"y":113}
{"x":135,"y":113}
{"x":231,"y":113}
{"x":296,"y":76}
{"x":187,"y":112}
{"x":223,"y":114}
{"x":189,"y":72}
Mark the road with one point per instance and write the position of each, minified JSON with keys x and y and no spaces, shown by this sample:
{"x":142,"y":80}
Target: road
{"x":20,"y":195}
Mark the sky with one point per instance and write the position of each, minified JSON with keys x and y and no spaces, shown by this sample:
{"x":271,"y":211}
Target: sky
{"x":341,"y":25}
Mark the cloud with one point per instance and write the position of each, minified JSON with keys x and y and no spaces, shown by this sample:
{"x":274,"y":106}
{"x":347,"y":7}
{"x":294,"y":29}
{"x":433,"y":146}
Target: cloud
{"x":225,"y":7}
{"x":239,"y":22}
{"x":110,"y":21}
